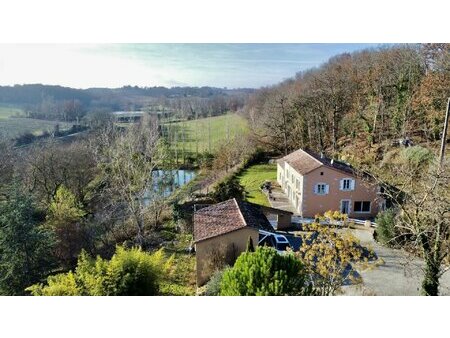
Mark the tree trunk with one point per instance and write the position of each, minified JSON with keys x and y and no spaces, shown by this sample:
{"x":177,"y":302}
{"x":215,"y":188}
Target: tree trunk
{"x":334,"y":131}
{"x":283,"y":114}
{"x":430,"y":283}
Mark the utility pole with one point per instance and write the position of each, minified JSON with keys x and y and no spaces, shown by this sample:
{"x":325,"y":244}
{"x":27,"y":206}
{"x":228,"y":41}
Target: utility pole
{"x":444,"y":134}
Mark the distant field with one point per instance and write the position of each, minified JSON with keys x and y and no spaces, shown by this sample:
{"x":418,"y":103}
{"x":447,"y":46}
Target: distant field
{"x":204,"y":134}
{"x":14,"y":127}
{"x":6,"y":112}
{"x":253,"y":177}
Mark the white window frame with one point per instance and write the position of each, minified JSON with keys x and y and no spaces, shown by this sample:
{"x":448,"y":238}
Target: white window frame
{"x":351,"y":184}
{"x":326,"y":189}
{"x":364,"y":212}
{"x":349,"y":205}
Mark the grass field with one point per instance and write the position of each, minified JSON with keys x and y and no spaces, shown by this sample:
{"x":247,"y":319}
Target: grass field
{"x":253,"y":177}
{"x":6,"y":112}
{"x":204,"y":135}
{"x":13,"y":127}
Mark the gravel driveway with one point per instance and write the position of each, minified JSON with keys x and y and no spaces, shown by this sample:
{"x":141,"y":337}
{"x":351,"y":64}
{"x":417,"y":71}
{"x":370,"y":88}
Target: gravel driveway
{"x":400,"y":275}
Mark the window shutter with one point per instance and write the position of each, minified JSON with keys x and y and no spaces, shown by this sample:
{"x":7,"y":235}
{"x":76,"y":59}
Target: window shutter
{"x":327,"y":188}
{"x":341,"y":185}
{"x":315,"y":189}
{"x":352,"y":185}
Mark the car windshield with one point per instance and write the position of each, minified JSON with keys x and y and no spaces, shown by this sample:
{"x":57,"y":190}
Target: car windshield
{"x":281,"y":239}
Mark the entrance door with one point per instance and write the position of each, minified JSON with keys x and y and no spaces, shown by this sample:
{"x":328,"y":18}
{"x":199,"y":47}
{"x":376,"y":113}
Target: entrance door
{"x":345,"y":207}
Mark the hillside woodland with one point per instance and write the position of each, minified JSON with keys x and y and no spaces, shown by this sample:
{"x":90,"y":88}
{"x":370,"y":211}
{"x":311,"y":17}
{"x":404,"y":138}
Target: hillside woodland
{"x":364,"y":100}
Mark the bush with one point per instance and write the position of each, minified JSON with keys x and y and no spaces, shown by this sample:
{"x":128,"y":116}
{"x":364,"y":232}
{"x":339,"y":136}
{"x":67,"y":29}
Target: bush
{"x":328,"y":257}
{"x":228,"y":189}
{"x":264,"y":273}
{"x":25,"y":138}
{"x":213,"y":285}
{"x":25,"y":246}
{"x":129,"y":273}
{"x":385,"y":231}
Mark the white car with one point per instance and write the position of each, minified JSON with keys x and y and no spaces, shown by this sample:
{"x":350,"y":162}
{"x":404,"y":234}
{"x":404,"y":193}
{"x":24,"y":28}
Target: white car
{"x":279,"y":242}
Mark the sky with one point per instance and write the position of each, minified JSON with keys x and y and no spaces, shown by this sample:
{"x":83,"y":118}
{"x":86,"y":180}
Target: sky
{"x":169,"y":65}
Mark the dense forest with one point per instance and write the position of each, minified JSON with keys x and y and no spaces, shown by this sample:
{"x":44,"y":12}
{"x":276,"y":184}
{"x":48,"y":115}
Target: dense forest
{"x":363,"y":100}
{"x":69,"y":104}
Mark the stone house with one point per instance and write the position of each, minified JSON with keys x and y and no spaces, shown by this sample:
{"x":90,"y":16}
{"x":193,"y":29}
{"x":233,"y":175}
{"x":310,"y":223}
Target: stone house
{"x":315,"y":184}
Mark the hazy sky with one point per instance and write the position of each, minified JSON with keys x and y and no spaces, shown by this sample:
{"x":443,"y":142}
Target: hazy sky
{"x":116,"y":65}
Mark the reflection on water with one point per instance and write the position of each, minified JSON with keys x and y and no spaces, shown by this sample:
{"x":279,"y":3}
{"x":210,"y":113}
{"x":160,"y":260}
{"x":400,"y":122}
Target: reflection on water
{"x":165,"y":182}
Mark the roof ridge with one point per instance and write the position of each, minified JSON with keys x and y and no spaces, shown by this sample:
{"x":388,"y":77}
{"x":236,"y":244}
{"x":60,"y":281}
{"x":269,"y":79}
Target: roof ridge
{"x":213,"y":205}
{"x":240,"y":212}
{"x":314,"y":158}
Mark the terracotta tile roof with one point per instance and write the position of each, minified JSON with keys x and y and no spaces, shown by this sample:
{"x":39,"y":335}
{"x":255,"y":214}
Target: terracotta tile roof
{"x":301,"y":161}
{"x":228,"y":216}
{"x":306,"y":161}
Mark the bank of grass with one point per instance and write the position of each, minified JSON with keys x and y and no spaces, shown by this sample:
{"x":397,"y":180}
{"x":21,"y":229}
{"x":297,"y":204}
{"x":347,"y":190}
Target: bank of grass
{"x":6,"y":112}
{"x":253,"y":177}
{"x":206,"y":134}
{"x":13,"y":127}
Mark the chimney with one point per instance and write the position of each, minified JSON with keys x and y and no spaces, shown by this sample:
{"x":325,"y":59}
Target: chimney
{"x":321,"y":154}
{"x":332,"y":161}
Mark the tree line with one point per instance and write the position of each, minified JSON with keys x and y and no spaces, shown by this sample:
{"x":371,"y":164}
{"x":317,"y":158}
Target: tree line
{"x":69,"y":104}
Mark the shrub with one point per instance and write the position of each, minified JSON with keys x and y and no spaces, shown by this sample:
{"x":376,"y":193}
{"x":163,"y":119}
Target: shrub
{"x":25,"y":246}
{"x":264,"y":273}
{"x":328,"y":257}
{"x":385,"y":231}
{"x":129,"y":273}
{"x":64,"y":218}
{"x":228,"y":189}
{"x":213,"y":285}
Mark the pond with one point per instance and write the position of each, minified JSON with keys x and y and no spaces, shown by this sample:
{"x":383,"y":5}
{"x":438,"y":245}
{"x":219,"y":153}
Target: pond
{"x":165,"y":182}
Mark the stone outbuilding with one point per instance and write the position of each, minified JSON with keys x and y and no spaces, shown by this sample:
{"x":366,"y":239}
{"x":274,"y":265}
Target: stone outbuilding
{"x":221,"y":233}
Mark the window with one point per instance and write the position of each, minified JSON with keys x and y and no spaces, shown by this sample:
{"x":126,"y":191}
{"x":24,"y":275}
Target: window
{"x":321,"y":189}
{"x":362,"y":206}
{"x":347,"y":184}
{"x":345,"y":206}
{"x":321,"y":173}
{"x":297,"y":183}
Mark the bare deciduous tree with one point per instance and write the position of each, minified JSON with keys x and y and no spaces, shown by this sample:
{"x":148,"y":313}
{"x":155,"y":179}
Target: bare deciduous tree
{"x":127,"y":159}
{"x":418,"y":187}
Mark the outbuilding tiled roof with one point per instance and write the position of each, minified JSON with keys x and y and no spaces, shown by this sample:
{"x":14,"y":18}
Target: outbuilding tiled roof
{"x":228,"y":216}
{"x":304,"y":161}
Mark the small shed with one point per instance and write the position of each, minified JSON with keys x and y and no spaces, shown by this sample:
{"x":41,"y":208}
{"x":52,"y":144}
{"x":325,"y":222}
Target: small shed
{"x":283,"y":217}
{"x":221,"y":233}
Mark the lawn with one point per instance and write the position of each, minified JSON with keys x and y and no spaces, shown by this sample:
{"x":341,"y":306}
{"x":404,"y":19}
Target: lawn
{"x":204,"y":135}
{"x":253,"y":177}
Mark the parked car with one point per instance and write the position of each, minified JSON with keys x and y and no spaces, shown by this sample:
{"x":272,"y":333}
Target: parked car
{"x":277,"y":241}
